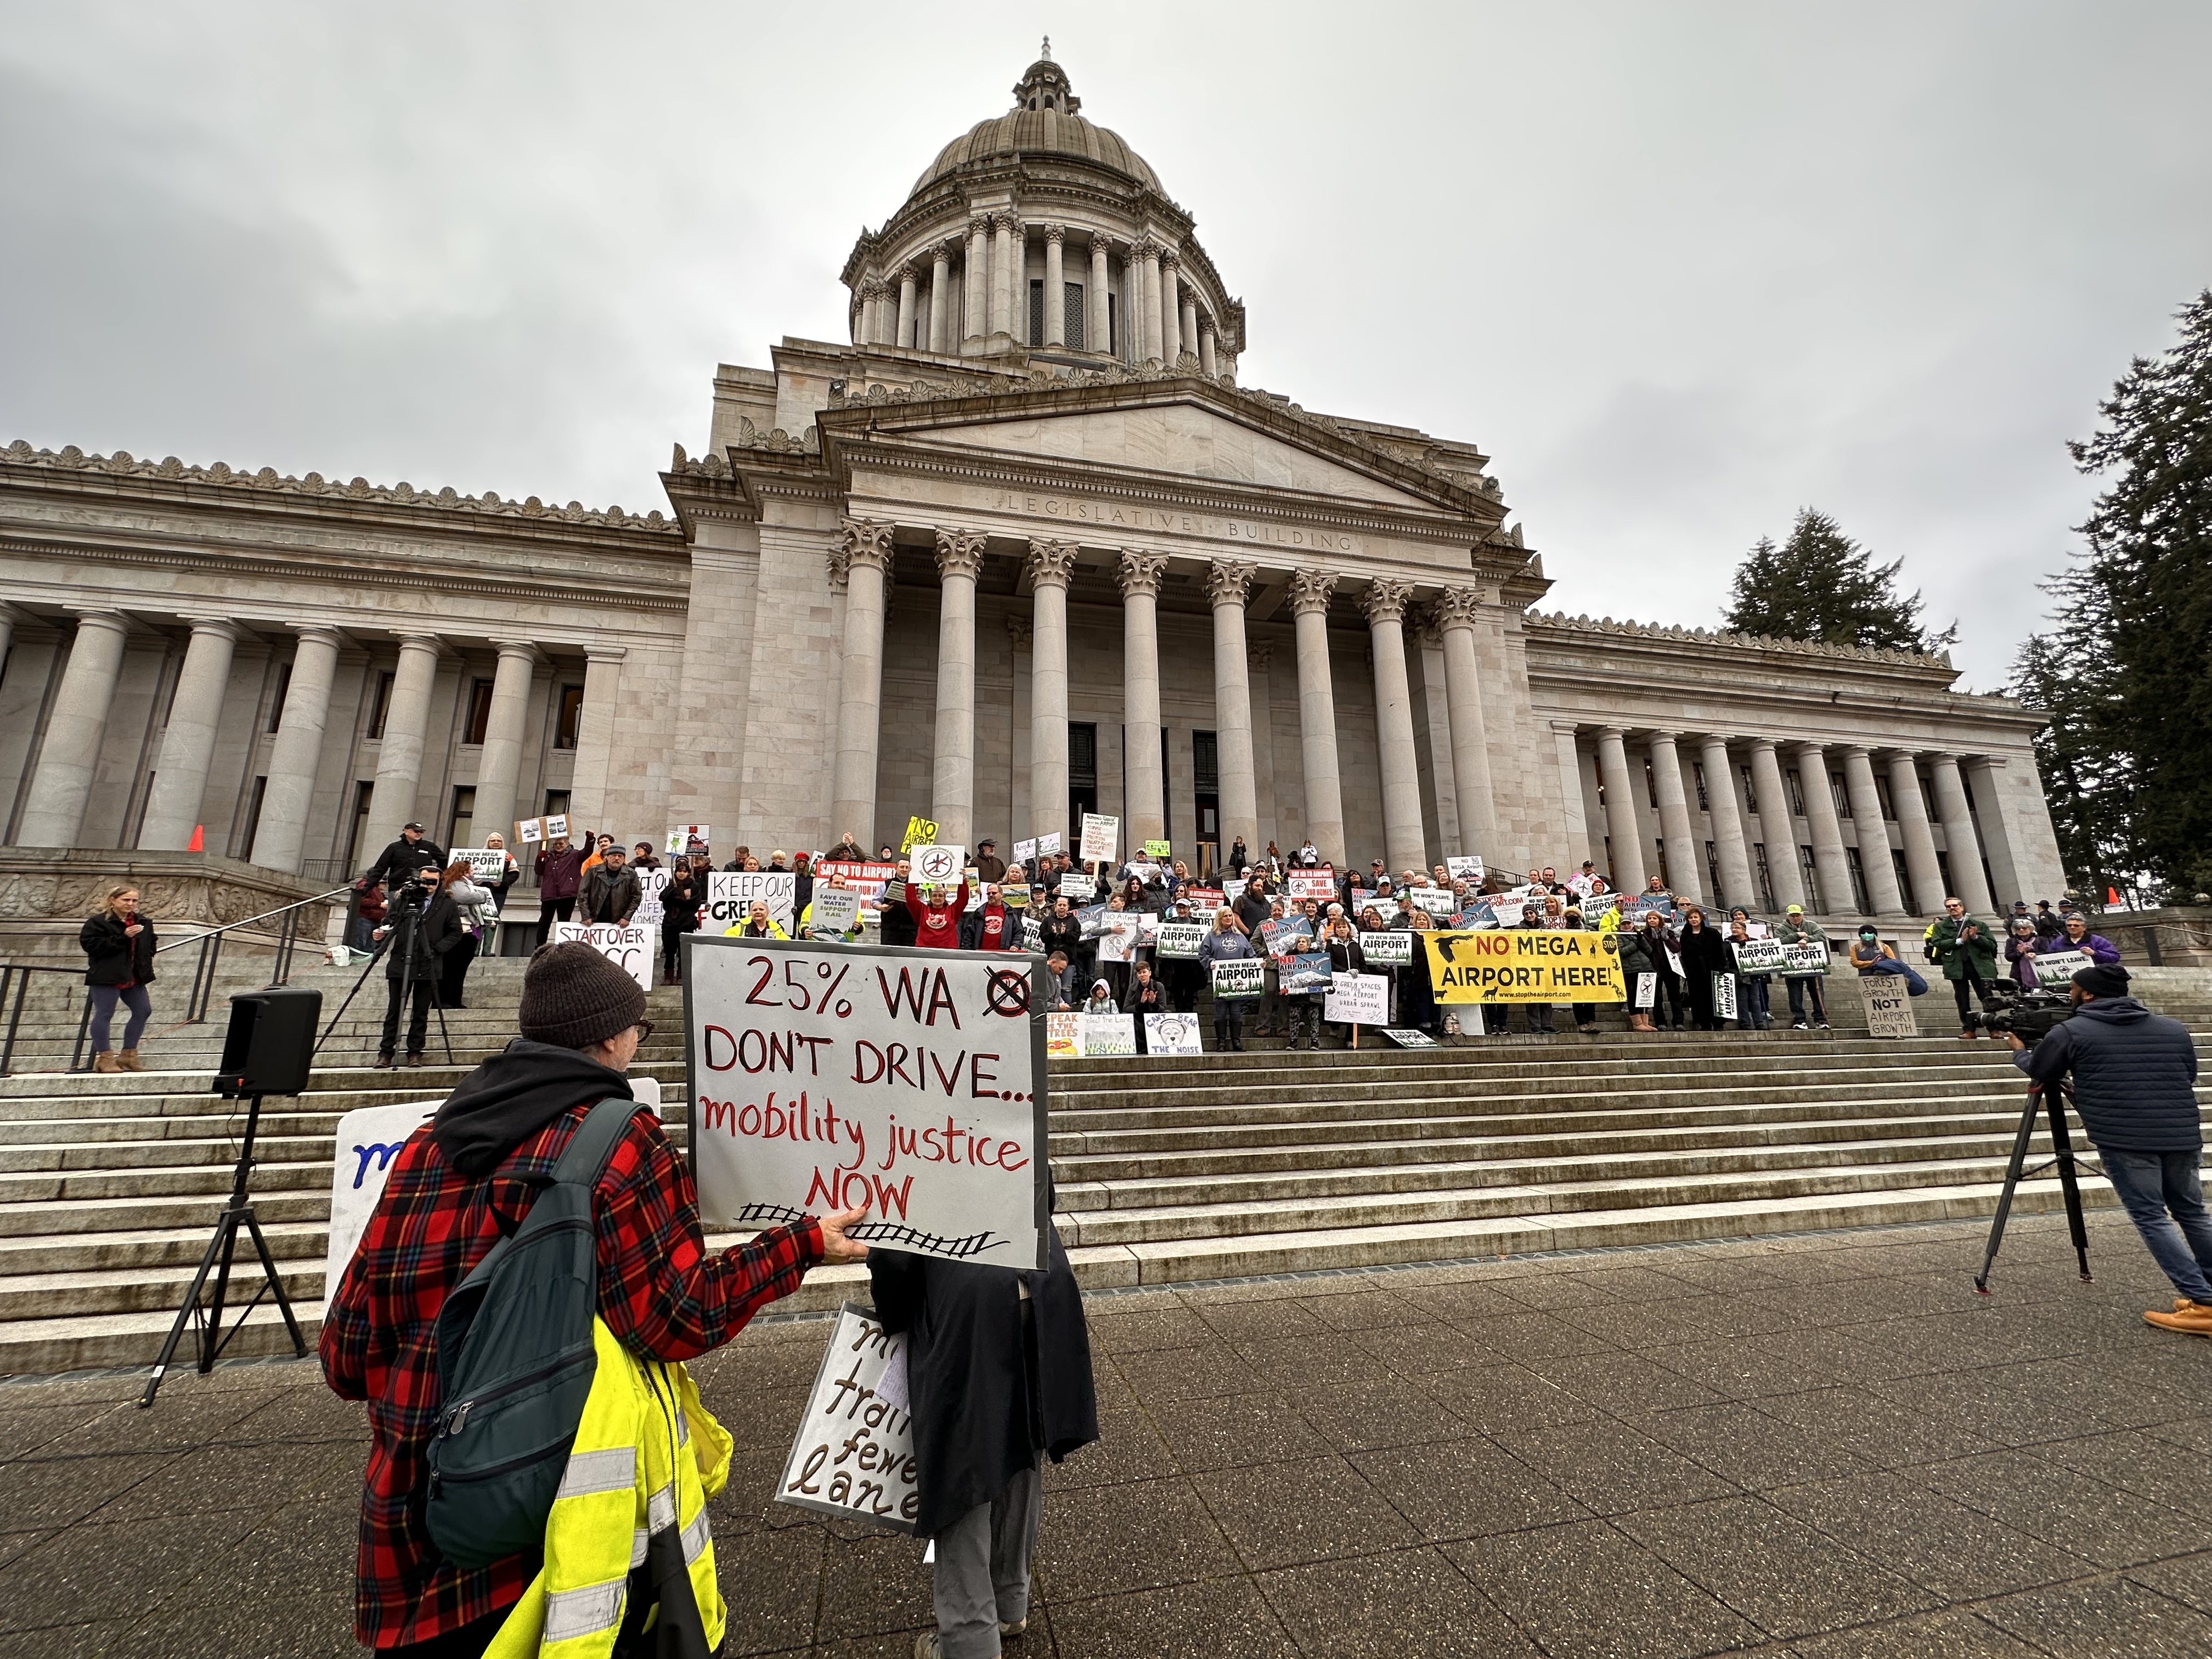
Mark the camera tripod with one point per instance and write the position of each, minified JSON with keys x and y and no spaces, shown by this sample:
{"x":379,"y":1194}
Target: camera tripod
{"x":421,"y":953}
{"x":2063,"y":1159}
{"x":209,"y":1339}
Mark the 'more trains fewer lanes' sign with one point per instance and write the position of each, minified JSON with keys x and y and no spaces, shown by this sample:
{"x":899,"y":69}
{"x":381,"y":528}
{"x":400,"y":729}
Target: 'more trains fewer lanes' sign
{"x":909,"y":1082}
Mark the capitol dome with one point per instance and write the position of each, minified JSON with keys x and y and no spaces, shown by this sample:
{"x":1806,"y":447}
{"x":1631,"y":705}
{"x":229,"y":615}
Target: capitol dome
{"x":1041,"y":236}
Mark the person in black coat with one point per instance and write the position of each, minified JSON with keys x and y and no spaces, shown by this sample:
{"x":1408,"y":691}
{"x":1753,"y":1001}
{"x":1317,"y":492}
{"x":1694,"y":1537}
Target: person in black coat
{"x":398,"y":862}
{"x":425,"y":923}
{"x":997,"y":1371}
{"x":118,"y":966}
{"x":1704,"y":953}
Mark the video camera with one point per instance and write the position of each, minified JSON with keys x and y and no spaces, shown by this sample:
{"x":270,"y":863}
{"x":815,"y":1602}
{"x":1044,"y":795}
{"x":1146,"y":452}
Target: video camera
{"x":2029,"y":1015}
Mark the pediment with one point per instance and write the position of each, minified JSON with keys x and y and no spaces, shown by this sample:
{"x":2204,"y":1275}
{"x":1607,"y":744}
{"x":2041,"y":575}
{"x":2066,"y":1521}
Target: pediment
{"x":1186,"y":439}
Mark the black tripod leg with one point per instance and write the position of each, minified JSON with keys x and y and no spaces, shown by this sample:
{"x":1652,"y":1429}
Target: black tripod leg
{"x":374,"y":956}
{"x":437,"y":1002}
{"x":2011,"y":1182}
{"x":227,"y":1232}
{"x":2062,"y":1145}
{"x":184,"y":1316}
{"x":276,"y":1284}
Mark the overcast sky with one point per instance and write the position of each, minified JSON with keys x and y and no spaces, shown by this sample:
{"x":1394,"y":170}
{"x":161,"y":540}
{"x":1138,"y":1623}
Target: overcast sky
{"x":1679,"y":268}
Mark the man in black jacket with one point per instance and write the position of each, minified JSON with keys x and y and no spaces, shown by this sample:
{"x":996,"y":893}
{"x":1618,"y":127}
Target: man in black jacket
{"x":612,"y":892}
{"x":398,"y":862}
{"x":2135,"y":1086}
{"x":424,"y":924}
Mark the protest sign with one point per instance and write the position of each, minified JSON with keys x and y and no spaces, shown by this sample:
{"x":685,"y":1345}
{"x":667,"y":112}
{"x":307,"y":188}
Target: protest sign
{"x":1063,"y":1036}
{"x":1204,"y":901}
{"x":1048,"y":844}
{"x":1077,"y":887}
{"x":1580,"y":885}
{"x":556,"y":824}
{"x":1093,"y":918}
{"x":1178,"y":938}
{"x":1107,"y":1034}
{"x":1405,"y":1037}
{"x":1237,"y":980}
{"x":1118,"y":932}
{"x":1724,"y":997}
{"x":1386,"y":950}
{"x":854,"y":1456}
{"x":1171,"y":1035}
{"x":1014,"y":895}
{"x":1148,"y":926}
{"x":1647,"y":990}
{"x":652,"y":887}
{"x":1159,"y":849}
{"x":867,"y":875}
{"x":629,"y":946}
{"x":1437,"y":901}
{"x":1526,"y":965}
{"x":1803,"y":961}
{"x":1888,"y":1004}
{"x":2057,"y":970}
{"x":1357,"y":1000}
{"x":1282,"y":939}
{"x":368,"y":1140}
{"x":911,"y":1082}
{"x":730,"y":894}
{"x":1024,"y":851}
{"x":1100,"y":837}
{"x":1233,"y":888}
{"x":834,"y":913}
{"x":1310,"y":884}
{"x":939,"y":864}
{"x":529,"y":831}
{"x":1032,"y":934}
{"x":919,"y":832}
{"x":687,"y":838}
{"x":1307,"y":972}
{"x":1508,"y":912}
{"x":1757,"y":955}
{"x":487,"y":864}
{"x":1597,"y":907}
{"x":1464,"y":867}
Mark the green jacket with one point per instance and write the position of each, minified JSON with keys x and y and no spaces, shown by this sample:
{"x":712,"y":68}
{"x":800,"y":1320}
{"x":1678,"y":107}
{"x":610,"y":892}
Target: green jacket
{"x":1955,"y":952}
{"x":1803,"y":931}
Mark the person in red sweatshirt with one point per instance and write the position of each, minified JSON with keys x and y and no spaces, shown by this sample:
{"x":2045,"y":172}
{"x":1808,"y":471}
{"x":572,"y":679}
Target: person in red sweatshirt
{"x":936,"y":919}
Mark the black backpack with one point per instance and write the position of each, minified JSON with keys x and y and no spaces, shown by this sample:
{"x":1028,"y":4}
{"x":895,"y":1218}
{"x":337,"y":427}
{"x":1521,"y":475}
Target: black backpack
{"x":515,"y":1362}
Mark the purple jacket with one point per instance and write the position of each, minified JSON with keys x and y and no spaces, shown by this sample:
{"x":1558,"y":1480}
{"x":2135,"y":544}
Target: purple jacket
{"x":560,"y":874}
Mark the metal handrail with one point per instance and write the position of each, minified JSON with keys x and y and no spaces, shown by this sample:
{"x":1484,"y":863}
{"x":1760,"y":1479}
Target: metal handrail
{"x":9,"y":972}
{"x":210,"y":944}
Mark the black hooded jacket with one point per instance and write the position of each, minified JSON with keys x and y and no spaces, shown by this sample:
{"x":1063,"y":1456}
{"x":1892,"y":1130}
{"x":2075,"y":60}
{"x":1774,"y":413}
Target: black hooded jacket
{"x":513,"y":1096}
{"x":991,"y":1386}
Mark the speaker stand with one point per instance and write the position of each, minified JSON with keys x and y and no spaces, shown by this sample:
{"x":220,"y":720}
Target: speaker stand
{"x":205,"y":1323}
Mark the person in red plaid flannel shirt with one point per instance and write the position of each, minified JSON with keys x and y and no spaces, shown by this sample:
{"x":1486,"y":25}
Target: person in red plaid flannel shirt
{"x":461,"y":1182}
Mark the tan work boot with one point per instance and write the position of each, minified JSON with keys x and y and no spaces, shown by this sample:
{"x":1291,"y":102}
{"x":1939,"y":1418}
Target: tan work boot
{"x":105,"y":1061}
{"x":130,"y":1061}
{"x":2190,"y":1318}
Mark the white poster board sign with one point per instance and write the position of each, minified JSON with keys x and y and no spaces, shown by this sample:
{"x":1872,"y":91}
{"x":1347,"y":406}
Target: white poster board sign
{"x":1759,"y":956}
{"x":1406,"y":1037}
{"x":1888,"y":1006}
{"x":1386,"y":950}
{"x":680,"y":838}
{"x":1437,"y":901}
{"x":1101,"y":836}
{"x":730,"y":893}
{"x":1048,"y":844}
{"x":630,"y":946}
{"x":1024,"y":851}
{"x":912,"y":1082}
{"x":1171,"y":1035}
{"x":1465,"y":867}
{"x":939,"y":864}
{"x":1178,"y":938}
{"x":2057,"y":970}
{"x":487,"y":864}
{"x":529,"y":831}
{"x":653,"y":888}
{"x":1106,"y":1034}
{"x":1357,"y":1000}
{"x":853,"y":1455}
{"x":1240,"y":978}
{"x":1647,"y":990}
{"x":834,"y":912}
{"x":556,"y":825}
{"x":1077,"y":887}
{"x":1724,"y":997}
{"x":1803,"y":961}
{"x":1118,"y":933}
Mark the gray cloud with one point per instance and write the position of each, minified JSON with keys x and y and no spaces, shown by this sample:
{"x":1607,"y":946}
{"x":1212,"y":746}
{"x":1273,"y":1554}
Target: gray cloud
{"x":1680,"y":269}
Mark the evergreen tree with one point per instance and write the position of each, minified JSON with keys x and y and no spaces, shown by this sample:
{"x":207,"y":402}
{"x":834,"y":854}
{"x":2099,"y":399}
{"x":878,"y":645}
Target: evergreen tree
{"x":2135,"y":616}
{"x":2087,"y":784}
{"x":1822,"y":586}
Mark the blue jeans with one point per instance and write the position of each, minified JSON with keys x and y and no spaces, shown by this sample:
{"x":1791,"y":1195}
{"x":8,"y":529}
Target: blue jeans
{"x":1798,"y":989}
{"x":2165,"y":1199}
{"x":103,"y":1010}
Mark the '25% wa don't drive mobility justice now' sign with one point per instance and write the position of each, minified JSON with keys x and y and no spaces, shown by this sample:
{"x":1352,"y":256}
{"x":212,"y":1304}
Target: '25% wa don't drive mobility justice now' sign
{"x":911,"y":1082}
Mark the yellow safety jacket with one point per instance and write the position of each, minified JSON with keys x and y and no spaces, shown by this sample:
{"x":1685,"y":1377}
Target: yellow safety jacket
{"x":647,"y":1457}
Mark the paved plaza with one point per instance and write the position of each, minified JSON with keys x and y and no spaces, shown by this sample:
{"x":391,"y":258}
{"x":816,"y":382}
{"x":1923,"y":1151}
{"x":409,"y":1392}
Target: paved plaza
{"x":1823,"y":1446}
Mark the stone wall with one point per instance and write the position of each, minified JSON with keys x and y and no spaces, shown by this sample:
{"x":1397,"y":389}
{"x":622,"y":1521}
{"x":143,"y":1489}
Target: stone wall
{"x":46,"y":894}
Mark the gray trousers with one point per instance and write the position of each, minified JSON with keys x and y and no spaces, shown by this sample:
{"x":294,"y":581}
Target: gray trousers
{"x":983,"y":1579}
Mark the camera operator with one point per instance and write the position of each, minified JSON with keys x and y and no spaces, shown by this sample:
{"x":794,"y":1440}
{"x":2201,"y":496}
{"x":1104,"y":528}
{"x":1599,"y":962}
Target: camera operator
{"x":2135,"y":1087}
{"x":425,"y":923}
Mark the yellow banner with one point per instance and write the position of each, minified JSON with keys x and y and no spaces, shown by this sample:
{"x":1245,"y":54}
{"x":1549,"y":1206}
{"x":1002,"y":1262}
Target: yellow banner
{"x":1523,"y":964}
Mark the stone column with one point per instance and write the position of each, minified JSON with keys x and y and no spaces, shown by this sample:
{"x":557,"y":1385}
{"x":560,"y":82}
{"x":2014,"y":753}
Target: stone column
{"x":1921,"y":865}
{"x":499,"y":771}
{"x":1191,"y":337}
{"x":1147,"y":336}
{"x":952,"y":784}
{"x":172,"y":806}
{"x":280,"y":843}
{"x":975,"y":323}
{"x":406,"y":730}
{"x":1728,"y":843}
{"x":1205,"y":347}
{"x":906,"y":307}
{"x":1456,"y":614}
{"x":1403,"y":844}
{"x":9,"y":617}
{"x":1259,"y":662}
{"x":1170,"y":308}
{"x":53,"y":812}
{"x":1685,"y":872}
{"x":1055,"y":287}
{"x":1964,"y":846}
{"x":1621,"y":827}
{"x":941,"y":303}
{"x":1002,"y":281}
{"x":1776,"y":828}
{"x":1227,"y":584}
{"x":1051,"y":567}
{"x":1144,"y":784}
{"x":1098,"y":328}
{"x":595,"y":739}
{"x":1875,"y":862}
{"x":1830,"y":862}
{"x":865,"y":550}
{"x":1310,"y":592}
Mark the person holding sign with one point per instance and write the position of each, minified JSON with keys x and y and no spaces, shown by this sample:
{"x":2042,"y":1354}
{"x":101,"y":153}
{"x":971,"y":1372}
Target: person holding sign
{"x":1796,"y":928}
{"x":2075,"y":936}
{"x":936,"y":919}
{"x":2021,"y":951}
{"x":459,"y":1184}
{"x":1226,"y":942}
{"x":1703,"y":954}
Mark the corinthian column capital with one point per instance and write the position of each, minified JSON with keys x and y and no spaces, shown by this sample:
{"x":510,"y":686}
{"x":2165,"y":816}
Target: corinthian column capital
{"x":1458,"y":607}
{"x":1055,"y":234}
{"x":863,"y":541}
{"x":1050,"y":564}
{"x":1229,"y":581}
{"x":1385,"y":599}
{"x":1309,"y":590}
{"x":959,"y":553}
{"x":1140,"y":572}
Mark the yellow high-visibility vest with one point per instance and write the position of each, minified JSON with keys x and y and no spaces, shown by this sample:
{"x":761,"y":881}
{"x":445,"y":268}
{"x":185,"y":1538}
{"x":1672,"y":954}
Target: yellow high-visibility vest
{"x":647,"y":1457}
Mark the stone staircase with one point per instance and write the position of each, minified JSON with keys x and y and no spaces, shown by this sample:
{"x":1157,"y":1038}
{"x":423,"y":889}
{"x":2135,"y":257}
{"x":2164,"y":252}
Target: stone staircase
{"x":1217,"y":1167}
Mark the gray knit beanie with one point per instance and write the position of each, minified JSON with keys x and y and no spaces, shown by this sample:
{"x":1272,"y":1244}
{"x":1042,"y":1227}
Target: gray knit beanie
{"x":572,"y":997}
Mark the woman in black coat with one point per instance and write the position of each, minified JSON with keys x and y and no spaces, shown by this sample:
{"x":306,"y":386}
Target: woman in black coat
{"x":1704,"y":953}
{"x":118,"y":966}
